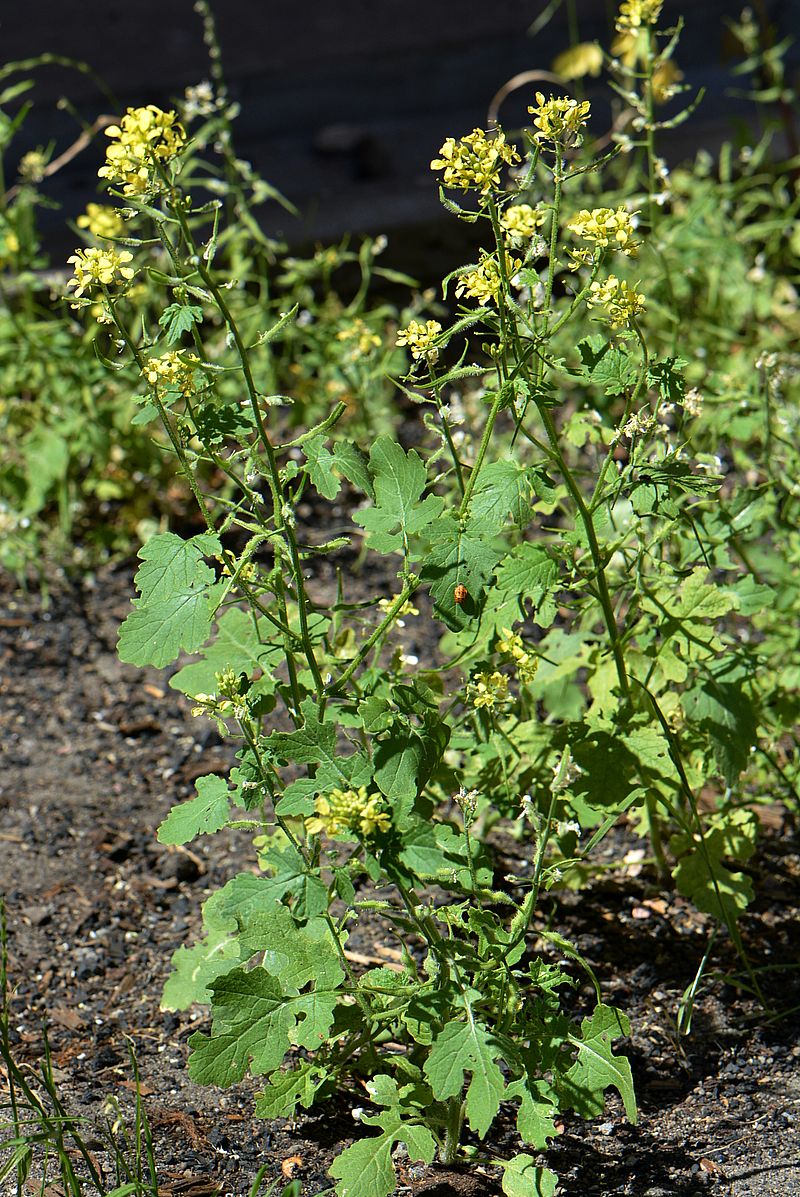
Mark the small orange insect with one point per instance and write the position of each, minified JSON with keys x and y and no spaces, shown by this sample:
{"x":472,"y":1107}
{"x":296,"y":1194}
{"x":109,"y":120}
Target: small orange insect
{"x":460,"y":594}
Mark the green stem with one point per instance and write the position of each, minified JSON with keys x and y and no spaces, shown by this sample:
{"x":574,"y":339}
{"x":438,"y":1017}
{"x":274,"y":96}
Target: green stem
{"x":164,"y":416}
{"x":482,"y":450}
{"x":594,"y":548}
{"x":282,"y":519}
{"x":650,"y":144}
{"x":440,"y":407}
{"x":335,"y":686}
{"x":522,"y":919}
{"x":597,"y":493}
{"x":554,"y":226}
{"x":452,"y":1130}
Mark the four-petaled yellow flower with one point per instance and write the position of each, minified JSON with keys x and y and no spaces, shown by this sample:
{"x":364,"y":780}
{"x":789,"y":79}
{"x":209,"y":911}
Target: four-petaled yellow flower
{"x":559,"y":120}
{"x":101,"y":221}
{"x":485,"y":282}
{"x":99,"y":267}
{"x":621,"y":302}
{"x":521,"y":222}
{"x":354,"y":812}
{"x":584,"y":59}
{"x":666,"y":80}
{"x":635,"y":13}
{"x":526,"y":663}
{"x":408,"y":608}
{"x":143,"y":138}
{"x":607,"y":227}
{"x":488,"y":689}
{"x":172,"y":370}
{"x":475,"y":161}
{"x":420,"y":339}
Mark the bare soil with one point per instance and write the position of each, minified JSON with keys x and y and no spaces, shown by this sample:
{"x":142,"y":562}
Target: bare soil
{"x":95,"y":753}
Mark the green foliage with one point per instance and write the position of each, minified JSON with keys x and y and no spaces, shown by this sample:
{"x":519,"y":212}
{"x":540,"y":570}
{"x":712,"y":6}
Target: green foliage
{"x":176,"y":607}
{"x":594,"y":526}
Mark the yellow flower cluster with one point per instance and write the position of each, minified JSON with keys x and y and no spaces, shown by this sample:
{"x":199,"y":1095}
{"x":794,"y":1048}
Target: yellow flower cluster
{"x":604,"y":226}
{"x":584,"y":59}
{"x":143,"y":137}
{"x":32,"y":166}
{"x":485,"y":282}
{"x":526,"y":663}
{"x":172,"y":370}
{"x":420,"y":339}
{"x":340,"y":812}
{"x":621,"y":302}
{"x":635,"y":13}
{"x":364,"y":340}
{"x":99,"y":267}
{"x":488,"y":690}
{"x":101,"y":221}
{"x":521,"y":222}
{"x":559,"y":120}
{"x":408,"y":608}
{"x":475,"y":161}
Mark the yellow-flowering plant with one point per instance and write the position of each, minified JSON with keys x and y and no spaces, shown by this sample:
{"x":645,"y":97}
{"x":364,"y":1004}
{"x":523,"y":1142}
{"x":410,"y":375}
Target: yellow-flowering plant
{"x":585,"y":662}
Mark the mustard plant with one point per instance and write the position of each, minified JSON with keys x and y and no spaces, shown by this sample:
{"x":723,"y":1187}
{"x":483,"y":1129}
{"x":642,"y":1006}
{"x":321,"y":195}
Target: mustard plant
{"x":590,"y":662}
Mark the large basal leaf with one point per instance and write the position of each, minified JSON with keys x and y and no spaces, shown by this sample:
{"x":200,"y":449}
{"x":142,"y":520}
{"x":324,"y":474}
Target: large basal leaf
{"x":220,"y":950}
{"x":523,"y":1177}
{"x":596,"y":1067}
{"x":175,"y":610}
{"x":258,"y":1015}
{"x":366,"y":1169}
{"x":462,"y":1047}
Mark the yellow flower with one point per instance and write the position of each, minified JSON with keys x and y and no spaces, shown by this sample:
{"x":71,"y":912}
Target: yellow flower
{"x":559,"y":120}
{"x":340,"y":812}
{"x":420,"y":339}
{"x":621,"y":302}
{"x":9,"y":245}
{"x":510,"y":643}
{"x":521,"y":222}
{"x":143,"y":137}
{"x":408,"y":608}
{"x":172,"y":370}
{"x":628,"y":48}
{"x":485,"y":282}
{"x":633,"y":14}
{"x":605,"y":226}
{"x":666,"y":78}
{"x":96,"y":267}
{"x":364,"y":339}
{"x":475,"y":161}
{"x":584,"y":59}
{"x":526,"y":663}
{"x":488,"y":689}
{"x":101,"y":221}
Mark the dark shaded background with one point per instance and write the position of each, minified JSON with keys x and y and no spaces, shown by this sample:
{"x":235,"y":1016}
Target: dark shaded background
{"x":343,"y":102}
